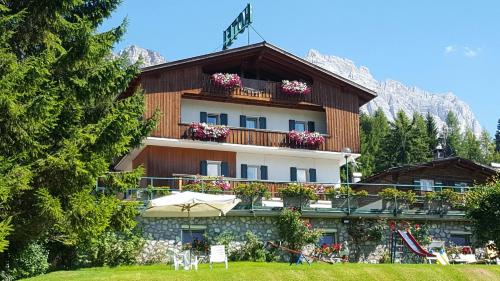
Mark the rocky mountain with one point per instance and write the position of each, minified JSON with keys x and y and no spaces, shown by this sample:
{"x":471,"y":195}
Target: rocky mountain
{"x":149,"y":57}
{"x":394,"y":95}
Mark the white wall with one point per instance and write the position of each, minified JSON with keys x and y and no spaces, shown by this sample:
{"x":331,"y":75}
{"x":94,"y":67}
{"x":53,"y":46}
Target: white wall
{"x":327,"y":171}
{"x":276,"y":118}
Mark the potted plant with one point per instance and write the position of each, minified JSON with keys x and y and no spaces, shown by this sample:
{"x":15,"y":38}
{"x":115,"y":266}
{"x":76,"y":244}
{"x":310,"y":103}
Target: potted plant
{"x":297,"y":195}
{"x":207,"y":185}
{"x":449,"y":199}
{"x":432,"y":203}
{"x":294,"y":87}
{"x":338,"y":197}
{"x":390,"y":198}
{"x":205,"y":132}
{"x":305,"y":139}
{"x":251,"y":194}
{"x":226,"y":80}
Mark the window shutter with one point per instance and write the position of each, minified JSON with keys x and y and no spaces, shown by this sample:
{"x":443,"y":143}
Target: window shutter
{"x":291,"y":125}
{"x":224,"y":169}
{"x":203,"y":168}
{"x":263,"y":173}
{"x":310,"y":126}
{"x":262,"y":123}
{"x":312,"y":175}
{"x":293,"y":174}
{"x":203,"y":117}
{"x":244,"y":170}
{"x":243,"y":121}
{"x":416,"y":184}
{"x":223,"y":119}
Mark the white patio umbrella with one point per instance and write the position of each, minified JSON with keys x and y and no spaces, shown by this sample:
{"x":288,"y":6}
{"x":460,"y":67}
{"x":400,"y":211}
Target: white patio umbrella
{"x":190,"y":204}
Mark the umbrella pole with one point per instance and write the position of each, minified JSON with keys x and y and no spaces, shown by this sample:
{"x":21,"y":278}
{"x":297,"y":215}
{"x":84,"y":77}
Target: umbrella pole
{"x":190,"y":234}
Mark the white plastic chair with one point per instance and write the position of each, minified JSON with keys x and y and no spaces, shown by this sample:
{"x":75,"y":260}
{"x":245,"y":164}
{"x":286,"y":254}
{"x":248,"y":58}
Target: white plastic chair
{"x":178,"y":261}
{"x":218,"y":254}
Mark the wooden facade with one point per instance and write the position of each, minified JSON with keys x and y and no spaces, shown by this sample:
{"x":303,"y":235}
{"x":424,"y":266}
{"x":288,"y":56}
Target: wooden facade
{"x":165,"y":87}
{"x":445,"y":172}
{"x":162,"y":161}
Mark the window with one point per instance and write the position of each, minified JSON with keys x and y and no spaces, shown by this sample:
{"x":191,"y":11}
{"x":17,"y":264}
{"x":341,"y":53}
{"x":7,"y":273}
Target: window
{"x":328,"y":238}
{"x":252,"y":172}
{"x":301,"y":175}
{"x":300,"y":126}
{"x":252,"y":122}
{"x":213,"y":168}
{"x":213,"y":119}
{"x":189,"y":236}
{"x":460,"y":239}
{"x":426,"y":185}
{"x":461,"y":186}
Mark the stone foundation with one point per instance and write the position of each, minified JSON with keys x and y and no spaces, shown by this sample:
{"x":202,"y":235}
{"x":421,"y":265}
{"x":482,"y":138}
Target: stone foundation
{"x":163,"y":235}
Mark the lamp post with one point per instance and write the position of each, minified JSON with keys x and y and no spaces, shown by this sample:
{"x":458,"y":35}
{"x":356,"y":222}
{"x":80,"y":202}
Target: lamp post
{"x":347,"y":154}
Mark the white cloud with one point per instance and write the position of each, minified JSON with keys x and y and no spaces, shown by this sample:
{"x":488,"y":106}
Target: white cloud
{"x":449,"y":49}
{"x":471,"y":52}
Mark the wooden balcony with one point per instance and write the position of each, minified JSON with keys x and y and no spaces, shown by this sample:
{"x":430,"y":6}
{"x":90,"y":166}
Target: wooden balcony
{"x":253,"y":89}
{"x":258,"y":137}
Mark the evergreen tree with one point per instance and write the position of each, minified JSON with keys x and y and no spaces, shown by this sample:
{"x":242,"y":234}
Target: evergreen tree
{"x":406,"y":141}
{"x":471,"y":147}
{"x":373,"y":131}
{"x":497,"y":138}
{"x":487,"y":146}
{"x":453,"y":136}
{"x":62,"y":122}
{"x":432,"y":133}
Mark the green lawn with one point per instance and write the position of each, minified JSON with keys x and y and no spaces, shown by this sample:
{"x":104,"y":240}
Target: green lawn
{"x":281,"y":271}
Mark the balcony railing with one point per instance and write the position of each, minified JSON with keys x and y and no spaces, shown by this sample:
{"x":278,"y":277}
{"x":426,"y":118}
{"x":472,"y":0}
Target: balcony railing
{"x":258,"y":137}
{"x":252,"y":89}
{"x":371,"y":205}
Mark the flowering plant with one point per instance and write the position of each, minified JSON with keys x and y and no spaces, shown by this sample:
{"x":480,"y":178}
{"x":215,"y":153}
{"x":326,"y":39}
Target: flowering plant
{"x":294,"y":87}
{"x":305,"y":138}
{"x":203,"y":131}
{"x":299,"y":190}
{"x":329,"y":248}
{"x":207,"y":184}
{"x":226,"y":80}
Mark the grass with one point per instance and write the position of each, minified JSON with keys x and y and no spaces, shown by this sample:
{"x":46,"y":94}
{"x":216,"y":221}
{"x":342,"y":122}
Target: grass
{"x":281,"y":271}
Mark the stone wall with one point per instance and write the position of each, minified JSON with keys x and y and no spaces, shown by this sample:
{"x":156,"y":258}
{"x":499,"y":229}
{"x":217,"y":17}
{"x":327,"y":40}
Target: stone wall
{"x":164,"y":234}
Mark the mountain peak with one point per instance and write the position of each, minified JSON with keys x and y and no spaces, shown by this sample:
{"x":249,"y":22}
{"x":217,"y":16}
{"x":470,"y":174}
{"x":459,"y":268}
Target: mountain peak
{"x":394,"y":95}
{"x":134,"y":53}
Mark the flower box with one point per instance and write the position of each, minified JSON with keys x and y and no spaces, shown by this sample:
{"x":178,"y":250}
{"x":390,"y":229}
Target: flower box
{"x":226,"y":80}
{"x":294,"y":88}
{"x":251,"y":194}
{"x":305,"y":139}
{"x":203,"y":131}
{"x":298,"y":202}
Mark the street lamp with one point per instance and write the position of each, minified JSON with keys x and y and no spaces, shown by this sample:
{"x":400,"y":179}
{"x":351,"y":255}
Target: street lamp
{"x":347,"y":153}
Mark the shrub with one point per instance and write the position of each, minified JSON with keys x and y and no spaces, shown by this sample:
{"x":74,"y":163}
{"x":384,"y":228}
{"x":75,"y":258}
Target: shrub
{"x":344,"y":190}
{"x":31,"y":261}
{"x":389,"y":193}
{"x":253,"y":249}
{"x":110,"y":249}
{"x":208,"y":187}
{"x":294,"y":231}
{"x":251,"y":190}
{"x":299,"y":190}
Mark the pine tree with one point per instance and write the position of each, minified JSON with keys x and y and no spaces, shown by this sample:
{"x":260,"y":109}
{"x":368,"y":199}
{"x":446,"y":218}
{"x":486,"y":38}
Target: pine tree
{"x":471,"y":147}
{"x":373,"y":131}
{"x":432,"y":133}
{"x":62,"y":122}
{"x":453,"y":135}
{"x":406,"y":141}
{"x":497,"y":138}
{"x":487,"y":146}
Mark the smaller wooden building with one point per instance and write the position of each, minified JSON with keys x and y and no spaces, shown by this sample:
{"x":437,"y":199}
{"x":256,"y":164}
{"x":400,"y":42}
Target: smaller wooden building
{"x":431,"y":176}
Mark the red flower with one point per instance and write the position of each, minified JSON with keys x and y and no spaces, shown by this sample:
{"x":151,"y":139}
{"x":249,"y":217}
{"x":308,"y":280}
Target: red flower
{"x":417,"y":226}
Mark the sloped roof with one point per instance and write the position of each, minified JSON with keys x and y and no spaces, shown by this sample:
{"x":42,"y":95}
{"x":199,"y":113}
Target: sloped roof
{"x":365,"y":93}
{"x":443,"y":161}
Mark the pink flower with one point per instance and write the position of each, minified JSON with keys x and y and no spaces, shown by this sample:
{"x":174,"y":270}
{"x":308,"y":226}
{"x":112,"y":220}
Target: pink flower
{"x":226,"y":80}
{"x":294,"y":87}
{"x":306,"y":138}
{"x":203,"y":131}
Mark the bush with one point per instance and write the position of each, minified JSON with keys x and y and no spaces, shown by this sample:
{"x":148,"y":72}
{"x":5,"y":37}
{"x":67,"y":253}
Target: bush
{"x":299,"y":190}
{"x":295,"y":232}
{"x":110,"y":249}
{"x":251,"y":190}
{"x":31,"y":261}
{"x":344,"y":190}
{"x":253,"y":250}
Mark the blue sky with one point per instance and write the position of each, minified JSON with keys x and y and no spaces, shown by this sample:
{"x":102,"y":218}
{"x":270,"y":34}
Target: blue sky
{"x":438,"y":46}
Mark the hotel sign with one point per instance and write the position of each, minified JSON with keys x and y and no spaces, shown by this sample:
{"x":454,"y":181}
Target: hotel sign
{"x":242,"y":21}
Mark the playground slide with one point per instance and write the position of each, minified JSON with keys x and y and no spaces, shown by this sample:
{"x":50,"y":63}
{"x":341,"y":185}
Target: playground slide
{"x":442,"y":258}
{"x":413,"y":245}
